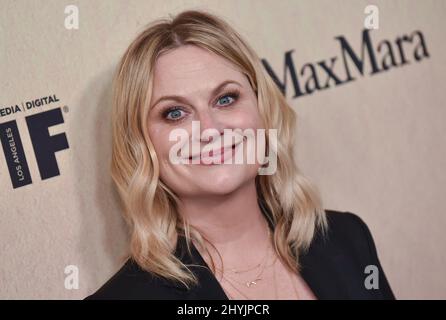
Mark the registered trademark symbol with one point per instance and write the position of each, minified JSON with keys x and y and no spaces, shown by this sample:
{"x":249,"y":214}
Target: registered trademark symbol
{"x":65,"y":109}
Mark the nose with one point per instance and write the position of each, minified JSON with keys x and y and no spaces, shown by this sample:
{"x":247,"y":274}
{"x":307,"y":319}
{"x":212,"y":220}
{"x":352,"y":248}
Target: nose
{"x":210,"y":126}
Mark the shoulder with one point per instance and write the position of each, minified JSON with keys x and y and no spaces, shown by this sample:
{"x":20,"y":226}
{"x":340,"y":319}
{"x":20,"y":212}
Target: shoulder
{"x":347,"y":249}
{"x":348,"y":232}
{"x":345,"y":225}
{"x":344,"y":220}
{"x":132,"y":282}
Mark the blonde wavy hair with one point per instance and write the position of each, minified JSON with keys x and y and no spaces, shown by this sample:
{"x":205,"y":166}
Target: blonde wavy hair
{"x":289,"y":201}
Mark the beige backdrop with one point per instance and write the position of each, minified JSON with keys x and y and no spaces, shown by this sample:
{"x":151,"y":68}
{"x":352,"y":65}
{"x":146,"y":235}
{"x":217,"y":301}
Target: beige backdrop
{"x":374,"y":146}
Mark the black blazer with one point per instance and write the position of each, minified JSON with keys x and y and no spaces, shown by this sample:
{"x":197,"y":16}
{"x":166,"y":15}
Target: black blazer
{"x":333,"y":267}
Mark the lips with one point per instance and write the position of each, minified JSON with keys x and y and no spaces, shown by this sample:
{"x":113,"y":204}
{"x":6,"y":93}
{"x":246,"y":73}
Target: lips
{"x":213,"y":153}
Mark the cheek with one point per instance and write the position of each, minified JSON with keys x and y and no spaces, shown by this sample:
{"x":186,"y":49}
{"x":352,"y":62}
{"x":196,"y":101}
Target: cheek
{"x":169,"y":172}
{"x":247,"y":116}
{"x":160,"y":138}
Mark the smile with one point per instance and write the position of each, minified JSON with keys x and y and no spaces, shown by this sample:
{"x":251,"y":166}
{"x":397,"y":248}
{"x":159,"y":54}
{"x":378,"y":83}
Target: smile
{"x":216,"y":156}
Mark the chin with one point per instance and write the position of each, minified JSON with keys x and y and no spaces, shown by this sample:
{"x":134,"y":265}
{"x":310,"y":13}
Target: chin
{"x":209,"y":179}
{"x":224,"y":179}
{"x":218,"y":188}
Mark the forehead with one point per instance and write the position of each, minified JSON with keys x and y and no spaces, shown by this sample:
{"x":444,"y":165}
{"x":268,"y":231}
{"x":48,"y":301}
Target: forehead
{"x":189,"y":69}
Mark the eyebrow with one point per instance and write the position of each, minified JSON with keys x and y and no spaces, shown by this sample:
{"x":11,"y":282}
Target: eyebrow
{"x":184,"y":99}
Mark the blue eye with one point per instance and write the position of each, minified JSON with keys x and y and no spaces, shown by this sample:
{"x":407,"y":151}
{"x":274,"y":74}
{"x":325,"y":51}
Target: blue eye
{"x":173,"y":114}
{"x":226,"y":99}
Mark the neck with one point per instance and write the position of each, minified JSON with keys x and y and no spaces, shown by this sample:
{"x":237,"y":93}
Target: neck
{"x":233,"y":223}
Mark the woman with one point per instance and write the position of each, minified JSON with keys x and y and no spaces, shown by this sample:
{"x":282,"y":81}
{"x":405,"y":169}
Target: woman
{"x":218,"y":229}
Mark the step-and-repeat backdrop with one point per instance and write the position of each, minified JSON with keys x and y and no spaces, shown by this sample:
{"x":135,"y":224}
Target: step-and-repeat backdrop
{"x":366,"y":79}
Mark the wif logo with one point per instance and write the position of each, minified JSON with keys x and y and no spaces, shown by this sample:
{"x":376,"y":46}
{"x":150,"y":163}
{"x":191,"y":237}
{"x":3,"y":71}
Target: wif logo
{"x":44,"y":145}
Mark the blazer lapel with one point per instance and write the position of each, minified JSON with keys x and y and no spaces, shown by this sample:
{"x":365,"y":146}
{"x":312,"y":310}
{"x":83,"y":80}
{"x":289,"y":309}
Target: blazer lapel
{"x":320,"y":270}
{"x":208,"y":287}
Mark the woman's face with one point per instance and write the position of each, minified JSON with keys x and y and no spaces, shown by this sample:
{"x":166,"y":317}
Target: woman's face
{"x":194,"y":76}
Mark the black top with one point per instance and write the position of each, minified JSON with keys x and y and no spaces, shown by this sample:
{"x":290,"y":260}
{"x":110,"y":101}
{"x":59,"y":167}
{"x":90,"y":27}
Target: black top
{"x":334,"y":267}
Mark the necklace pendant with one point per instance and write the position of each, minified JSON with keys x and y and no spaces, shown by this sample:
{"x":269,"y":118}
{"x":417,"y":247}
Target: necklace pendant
{"x":250,"y":283}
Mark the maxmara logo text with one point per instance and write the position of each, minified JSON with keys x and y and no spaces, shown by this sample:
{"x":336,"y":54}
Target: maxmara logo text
{"x":44,"y":145}
{"x":372,"y":58}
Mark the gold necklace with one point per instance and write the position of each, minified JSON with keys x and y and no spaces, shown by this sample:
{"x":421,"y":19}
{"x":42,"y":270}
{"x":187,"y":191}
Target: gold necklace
{"x":233,"y":270}
{"x":230,"y":282}
{"x":276,"y":295}
{"x":258,"y":276}
{"x":252,"y":282}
